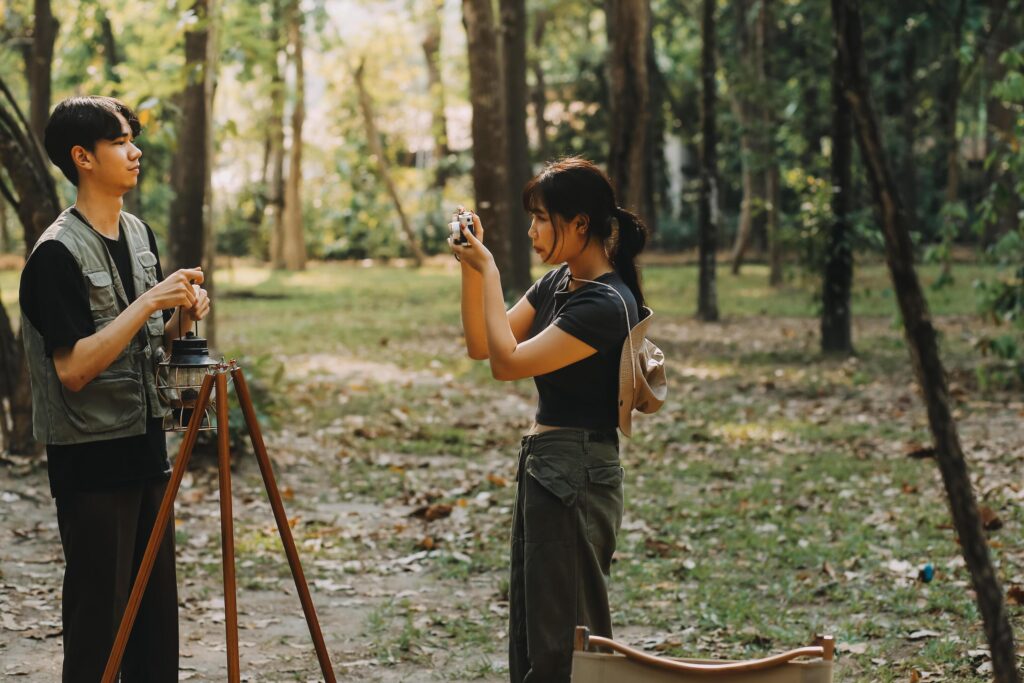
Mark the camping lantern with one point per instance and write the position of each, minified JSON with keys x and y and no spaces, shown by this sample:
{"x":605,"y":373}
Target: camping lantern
{"x":179,"y":378}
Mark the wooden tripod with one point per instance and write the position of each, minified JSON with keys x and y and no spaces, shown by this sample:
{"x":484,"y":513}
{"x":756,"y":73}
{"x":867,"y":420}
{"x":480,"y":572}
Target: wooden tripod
{"x":218,"y":376}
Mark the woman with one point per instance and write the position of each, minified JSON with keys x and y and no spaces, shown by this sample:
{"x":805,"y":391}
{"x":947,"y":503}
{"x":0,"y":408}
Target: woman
{"x":567,"y":333}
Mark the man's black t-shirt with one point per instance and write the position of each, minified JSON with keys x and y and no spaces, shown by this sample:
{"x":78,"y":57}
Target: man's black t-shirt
{"x":54,"y":299}
{"x":584,"y":394}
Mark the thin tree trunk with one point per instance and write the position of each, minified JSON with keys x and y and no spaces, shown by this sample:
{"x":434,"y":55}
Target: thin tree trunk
{"x":435,"y":85}
{"x":43,"y":37}
{"x":538,"y":96}
{"x":628,"y":24}
{"x":275,"y":179}
{"x":5,"y":228}
{"x":836,"y":334}
{"x":513,"y":41}
{"x":1000,"y":135}
{"x":209,"y":238}
{"x":383,"y":167}
{"x":132,"y":200}
{"x":33,"y":195}
{"x":770,"y":162}
{"x":294,"y":248}
{"x":950,"y":104}
{"x":489,"y":130}
{"x":707,"y":208}
{"x":745,"y":108}
{"x":923,"y":345}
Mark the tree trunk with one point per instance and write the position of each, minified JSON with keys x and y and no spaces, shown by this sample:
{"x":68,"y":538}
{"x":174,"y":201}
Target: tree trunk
{"x":538,"y":96}
{"x":209,"y":93}
{"x":5,"y":228}
{"x":383,"y":167}
{"x":43,"y":37}
{"x":949,"y":106}
{"x":294,"y":248}
{"x":186,"y":229}
{"x":836,"y":335}
{"x":274,"y":211}
{"x":770,"y":162}
{"x":923,"y":345}
{"x":1000,"y":135}
{"x":628,"y":24}
{"x":513,"y":41}
{"x":489,"y":130}
{"x":33,"y":195}
{"x":707,"y":208}
{"x":435,"y":85}
{"x":132,"y":200}
{"x":745,"y":92}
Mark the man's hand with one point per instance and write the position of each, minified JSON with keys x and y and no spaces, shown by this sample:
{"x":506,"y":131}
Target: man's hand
{"x":201,"y":307}
{"x":176,"y":290}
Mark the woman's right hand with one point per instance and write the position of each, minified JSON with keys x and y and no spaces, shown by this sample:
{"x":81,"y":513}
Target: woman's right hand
{"x":473,"y":254}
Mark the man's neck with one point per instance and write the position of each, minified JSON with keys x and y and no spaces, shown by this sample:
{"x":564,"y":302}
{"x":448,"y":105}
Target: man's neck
{"x":102,"y":210}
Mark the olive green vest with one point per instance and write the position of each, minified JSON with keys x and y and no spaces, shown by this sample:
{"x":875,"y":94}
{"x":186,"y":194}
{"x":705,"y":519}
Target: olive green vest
{"x":113,"y":404}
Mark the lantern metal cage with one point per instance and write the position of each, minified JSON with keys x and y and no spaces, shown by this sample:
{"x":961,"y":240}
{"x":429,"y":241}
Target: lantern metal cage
{"x":179,"y":378}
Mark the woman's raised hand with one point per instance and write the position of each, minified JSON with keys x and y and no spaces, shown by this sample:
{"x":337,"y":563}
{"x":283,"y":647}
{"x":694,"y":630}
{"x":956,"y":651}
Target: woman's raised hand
{"x":474,"y":254}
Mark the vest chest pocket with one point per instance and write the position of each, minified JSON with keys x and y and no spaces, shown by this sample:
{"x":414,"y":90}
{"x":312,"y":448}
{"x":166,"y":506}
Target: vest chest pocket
{"x":101,"y":291}
{"x":148,"y":261}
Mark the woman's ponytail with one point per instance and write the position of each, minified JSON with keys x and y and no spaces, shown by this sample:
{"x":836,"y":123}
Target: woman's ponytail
{"x":630,"y":240}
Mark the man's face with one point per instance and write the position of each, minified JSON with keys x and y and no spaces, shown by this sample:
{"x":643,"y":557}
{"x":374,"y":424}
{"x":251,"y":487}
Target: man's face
{"x":113,"y":164}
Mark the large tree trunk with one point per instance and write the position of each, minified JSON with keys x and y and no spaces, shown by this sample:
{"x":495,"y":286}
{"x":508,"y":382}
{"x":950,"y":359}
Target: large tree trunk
{"x":33,"y":195}
{"x":538,"y":95}
{"x":438,"y":123}
{"x":923,"y":344}
{"x":513,"y":41}
{"x":629,"y":26}
{"x":490,"y":138}
{"x":383,"y":167}
{"x":186,"y":229}
{"x":836,"y":336}
{"x":43,"y":37}
{"x":707,"y":208}
{"x":294,"y":248}
{"x":274,"y":211}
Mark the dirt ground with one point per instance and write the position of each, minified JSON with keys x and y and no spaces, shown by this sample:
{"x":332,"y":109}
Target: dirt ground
{"x":394,"y":575}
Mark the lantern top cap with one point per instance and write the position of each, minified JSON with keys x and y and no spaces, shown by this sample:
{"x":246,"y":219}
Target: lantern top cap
{"x":190,"y":351}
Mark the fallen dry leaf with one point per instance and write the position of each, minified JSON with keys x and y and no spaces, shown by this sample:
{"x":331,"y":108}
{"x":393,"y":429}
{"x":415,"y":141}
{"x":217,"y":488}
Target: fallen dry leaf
{"x":917,"y":451}
{"x":432,"y":512}
{"x":1015,"y":596}
{"x":497,"y":481}
{"x":989,"y":519}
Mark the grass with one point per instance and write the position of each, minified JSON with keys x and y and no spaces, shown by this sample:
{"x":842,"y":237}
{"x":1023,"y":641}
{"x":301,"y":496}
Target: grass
{"x":770,"y":499}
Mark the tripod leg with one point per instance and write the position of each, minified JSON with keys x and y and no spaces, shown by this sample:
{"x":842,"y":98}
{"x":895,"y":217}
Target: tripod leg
{"x":131,"y":610}
{"x":227,"y":534}
{"x":244,"y":399}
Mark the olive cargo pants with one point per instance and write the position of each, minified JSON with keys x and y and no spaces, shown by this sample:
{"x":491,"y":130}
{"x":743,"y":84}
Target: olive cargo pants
{"x":566,"y":516}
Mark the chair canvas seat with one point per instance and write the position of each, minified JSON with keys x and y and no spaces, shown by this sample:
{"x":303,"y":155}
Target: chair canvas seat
{"x":596,"y":667}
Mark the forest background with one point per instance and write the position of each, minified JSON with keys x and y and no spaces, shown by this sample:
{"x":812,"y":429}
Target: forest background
{"x":281,"y":136}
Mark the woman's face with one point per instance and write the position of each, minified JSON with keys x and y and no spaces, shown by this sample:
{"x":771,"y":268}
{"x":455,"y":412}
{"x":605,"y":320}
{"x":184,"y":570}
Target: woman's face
{"x":552,"y":237}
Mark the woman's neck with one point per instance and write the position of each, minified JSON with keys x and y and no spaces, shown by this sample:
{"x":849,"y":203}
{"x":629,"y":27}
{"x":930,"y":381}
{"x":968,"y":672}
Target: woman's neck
{"x":589,"y":264}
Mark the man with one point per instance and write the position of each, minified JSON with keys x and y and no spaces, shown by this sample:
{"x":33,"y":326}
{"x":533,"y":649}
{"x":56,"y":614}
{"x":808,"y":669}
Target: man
{"x":96,"y":318}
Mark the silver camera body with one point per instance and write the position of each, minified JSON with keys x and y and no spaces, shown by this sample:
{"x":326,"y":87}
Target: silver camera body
{"x":464,"y":218}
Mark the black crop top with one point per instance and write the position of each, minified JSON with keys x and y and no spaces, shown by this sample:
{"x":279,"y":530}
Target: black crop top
{"x":584,"y":394}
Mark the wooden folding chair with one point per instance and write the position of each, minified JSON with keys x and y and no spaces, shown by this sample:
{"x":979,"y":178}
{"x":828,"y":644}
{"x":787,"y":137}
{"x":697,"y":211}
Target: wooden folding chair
{"x":812,"y":664}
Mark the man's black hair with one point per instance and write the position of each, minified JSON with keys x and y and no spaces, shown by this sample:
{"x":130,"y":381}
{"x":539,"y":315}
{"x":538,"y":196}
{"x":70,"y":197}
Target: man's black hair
{"x":84,"y":121}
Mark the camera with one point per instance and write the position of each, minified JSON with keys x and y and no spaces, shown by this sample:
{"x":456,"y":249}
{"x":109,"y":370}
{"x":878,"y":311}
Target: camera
{"x":464,"y":218}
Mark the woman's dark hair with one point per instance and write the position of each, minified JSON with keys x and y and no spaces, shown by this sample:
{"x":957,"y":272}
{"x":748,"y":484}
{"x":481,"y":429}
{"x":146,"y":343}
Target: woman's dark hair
{"x":83,"y":121}
{"x":573,"y":186}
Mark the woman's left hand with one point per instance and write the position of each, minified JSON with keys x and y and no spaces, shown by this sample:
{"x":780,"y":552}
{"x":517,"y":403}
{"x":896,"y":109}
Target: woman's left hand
{"x":474,"y":254}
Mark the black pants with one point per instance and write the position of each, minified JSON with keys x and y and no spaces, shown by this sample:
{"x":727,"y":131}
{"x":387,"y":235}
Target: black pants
{"x":566,"y":517}
{"x":104,"y":536}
